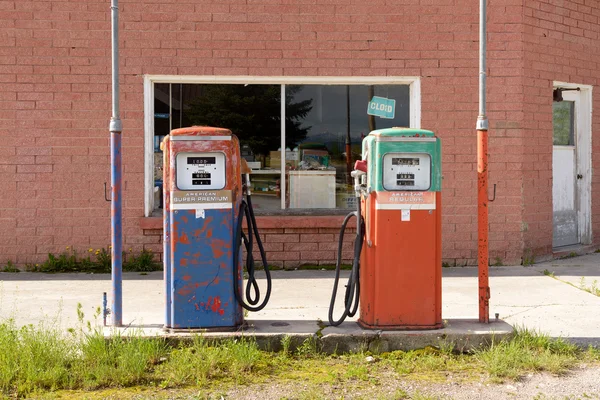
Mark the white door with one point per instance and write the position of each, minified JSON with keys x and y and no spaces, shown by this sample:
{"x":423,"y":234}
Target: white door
{"x":569,"y":188}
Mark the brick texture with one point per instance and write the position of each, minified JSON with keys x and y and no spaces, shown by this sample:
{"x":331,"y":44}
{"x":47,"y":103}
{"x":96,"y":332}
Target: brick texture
{"x":55,"y":105}
{"x":560,"y":44}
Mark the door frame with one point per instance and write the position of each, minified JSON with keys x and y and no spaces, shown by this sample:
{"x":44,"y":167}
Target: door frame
{"x":583,"y":141}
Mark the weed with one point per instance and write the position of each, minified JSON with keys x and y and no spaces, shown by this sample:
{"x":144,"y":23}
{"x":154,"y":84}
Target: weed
{"x":308,"y":348}
{"x":41,"y":359}
{"x":498,"y":262}
{"x":548,"y":273}
{"x":10,"y":267}
{"x":593,"y":288}
{"x":527,"y":351}
{"x":201,"y":362}
{"x":286,"y":343}
{"x":143,"y":262}
{"x":98,"y":260}
{"x":359,"y":372}
{"x":570,"y":255}
{"x":528,"y":258}
{"x":446,"y":265}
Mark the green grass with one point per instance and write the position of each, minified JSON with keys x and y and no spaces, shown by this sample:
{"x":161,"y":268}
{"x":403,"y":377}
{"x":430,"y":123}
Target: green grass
{"x":529,"y":351}
{"x":41,"y":360}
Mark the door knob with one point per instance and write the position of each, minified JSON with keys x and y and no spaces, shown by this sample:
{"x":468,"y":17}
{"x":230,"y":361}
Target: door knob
{"x":579,"y":176}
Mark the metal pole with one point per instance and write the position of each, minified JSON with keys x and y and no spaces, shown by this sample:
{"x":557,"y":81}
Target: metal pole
{"x":282,"y":186}
{"x":116,"y":170}
{"x":482,"y":177}
{"x":348,"y":139}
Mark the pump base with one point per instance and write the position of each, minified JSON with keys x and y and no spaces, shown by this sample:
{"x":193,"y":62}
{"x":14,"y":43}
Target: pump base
{"x":365,"y":325}
{"x":234,"y":328}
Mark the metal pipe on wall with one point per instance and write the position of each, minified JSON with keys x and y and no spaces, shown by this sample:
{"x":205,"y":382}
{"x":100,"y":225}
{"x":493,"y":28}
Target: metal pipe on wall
{"x":482,"y":177}
{"x":116,"y":172}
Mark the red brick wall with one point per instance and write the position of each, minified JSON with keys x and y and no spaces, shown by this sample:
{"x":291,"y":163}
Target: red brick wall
{"x":561,"y":44}
{"x":55,"y":105}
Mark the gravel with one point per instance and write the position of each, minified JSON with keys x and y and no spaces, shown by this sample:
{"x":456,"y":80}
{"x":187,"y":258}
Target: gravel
{"x":582,"y":383}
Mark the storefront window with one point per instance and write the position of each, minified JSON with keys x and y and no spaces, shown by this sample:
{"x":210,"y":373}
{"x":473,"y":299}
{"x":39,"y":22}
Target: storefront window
{"x":321,"y":123}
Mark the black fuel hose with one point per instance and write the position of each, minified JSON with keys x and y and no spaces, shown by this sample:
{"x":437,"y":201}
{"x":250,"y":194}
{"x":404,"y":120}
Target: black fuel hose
{"x":252,"y":295}
{"x":352,"y":294}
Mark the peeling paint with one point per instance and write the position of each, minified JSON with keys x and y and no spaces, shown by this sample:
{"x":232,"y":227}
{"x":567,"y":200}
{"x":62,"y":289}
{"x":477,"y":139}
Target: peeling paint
{"x":202,"y":291}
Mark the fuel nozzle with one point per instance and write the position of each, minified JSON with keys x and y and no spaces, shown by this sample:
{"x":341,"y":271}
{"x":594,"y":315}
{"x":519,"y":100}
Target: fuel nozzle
{"x":360,"y":170}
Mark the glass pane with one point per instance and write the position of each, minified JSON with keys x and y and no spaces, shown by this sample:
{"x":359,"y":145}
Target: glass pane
{"x":252,"y":113}
{"x":161,"y":128}
{"x":563,"y":123}
{"x":322,"y":121}
{"x":176,"y":98}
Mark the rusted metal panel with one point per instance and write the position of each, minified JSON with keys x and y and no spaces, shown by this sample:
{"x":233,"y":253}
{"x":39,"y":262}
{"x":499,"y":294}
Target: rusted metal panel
{"x":199,"y":236}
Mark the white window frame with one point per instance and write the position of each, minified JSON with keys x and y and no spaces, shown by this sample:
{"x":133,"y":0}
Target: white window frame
{"x":414,"y":83}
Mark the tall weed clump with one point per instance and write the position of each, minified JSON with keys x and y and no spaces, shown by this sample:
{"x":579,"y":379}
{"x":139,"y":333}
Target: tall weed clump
{"x":34,"y":358}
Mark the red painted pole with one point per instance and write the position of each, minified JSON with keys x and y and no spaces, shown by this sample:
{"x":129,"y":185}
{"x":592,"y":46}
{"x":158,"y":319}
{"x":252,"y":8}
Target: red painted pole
{"x":482,"y":178}
{"x":482,"y":225}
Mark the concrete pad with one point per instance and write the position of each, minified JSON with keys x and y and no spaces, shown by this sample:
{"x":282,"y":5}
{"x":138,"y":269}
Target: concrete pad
{"x":520,"y":295}
{"x":349,"y":337}
{"x":268,"y":334}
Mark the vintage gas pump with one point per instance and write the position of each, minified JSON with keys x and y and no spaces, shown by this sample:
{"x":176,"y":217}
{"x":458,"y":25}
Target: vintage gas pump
{"x":206,"y":200}
{"x":396,"y":272}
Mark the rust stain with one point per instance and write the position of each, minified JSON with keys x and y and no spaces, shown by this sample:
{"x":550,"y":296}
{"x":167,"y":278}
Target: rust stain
{"x":188,"y":289}
{"x":187,"y":253}
{"x":184,"y":219}
{"x":183,"y":262}
{"x":184,"y":239}
{"x":217,"y":246}
{"x":214,"y":303}
{"x":200,"y":232}
{"x":187,"y":278}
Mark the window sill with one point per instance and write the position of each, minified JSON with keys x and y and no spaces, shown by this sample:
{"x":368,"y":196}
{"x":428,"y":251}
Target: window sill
{"x":318,"y":218}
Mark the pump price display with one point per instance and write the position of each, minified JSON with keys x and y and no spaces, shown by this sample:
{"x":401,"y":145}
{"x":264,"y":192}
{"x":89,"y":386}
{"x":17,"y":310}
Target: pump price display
{"x":200,"y":171}
{"x":201,"y":178}
{"x":201,"y":160}
{"x":405,"y":179}
{"x":406,"y":171}
{"x":405,"y":161}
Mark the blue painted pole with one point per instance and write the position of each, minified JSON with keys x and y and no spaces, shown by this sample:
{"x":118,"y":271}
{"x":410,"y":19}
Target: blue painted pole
{"x":116,"y":172}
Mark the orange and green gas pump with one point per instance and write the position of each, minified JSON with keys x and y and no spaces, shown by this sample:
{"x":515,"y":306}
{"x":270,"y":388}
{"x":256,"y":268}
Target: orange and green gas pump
{"x":396,"y":274}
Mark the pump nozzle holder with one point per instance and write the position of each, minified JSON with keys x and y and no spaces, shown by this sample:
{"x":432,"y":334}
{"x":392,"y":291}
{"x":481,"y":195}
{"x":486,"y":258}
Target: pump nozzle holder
{"x":360,"y":165}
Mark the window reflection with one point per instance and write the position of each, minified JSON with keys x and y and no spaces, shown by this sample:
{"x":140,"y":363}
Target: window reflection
{"x":322,"y":122}
{"x":336,"y":125}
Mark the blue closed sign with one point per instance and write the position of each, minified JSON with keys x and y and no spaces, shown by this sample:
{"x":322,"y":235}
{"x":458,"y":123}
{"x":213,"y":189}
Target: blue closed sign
{"x":382,"y":107}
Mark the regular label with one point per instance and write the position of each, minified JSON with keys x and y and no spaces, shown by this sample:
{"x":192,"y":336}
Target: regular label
{"x":405,"y":200}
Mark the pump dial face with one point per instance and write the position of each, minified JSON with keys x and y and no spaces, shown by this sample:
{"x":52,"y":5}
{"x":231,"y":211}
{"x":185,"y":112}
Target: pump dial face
{"x":200,"y":171}
{"x":406,"y":171}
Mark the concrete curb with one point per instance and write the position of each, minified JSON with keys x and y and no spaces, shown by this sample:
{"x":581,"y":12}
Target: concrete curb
{"x":349,"y":337}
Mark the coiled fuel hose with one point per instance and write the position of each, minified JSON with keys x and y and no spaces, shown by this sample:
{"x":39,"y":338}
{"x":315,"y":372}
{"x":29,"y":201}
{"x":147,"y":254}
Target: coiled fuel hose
{"x":352,"y":294}
{"x":252,"y":295}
